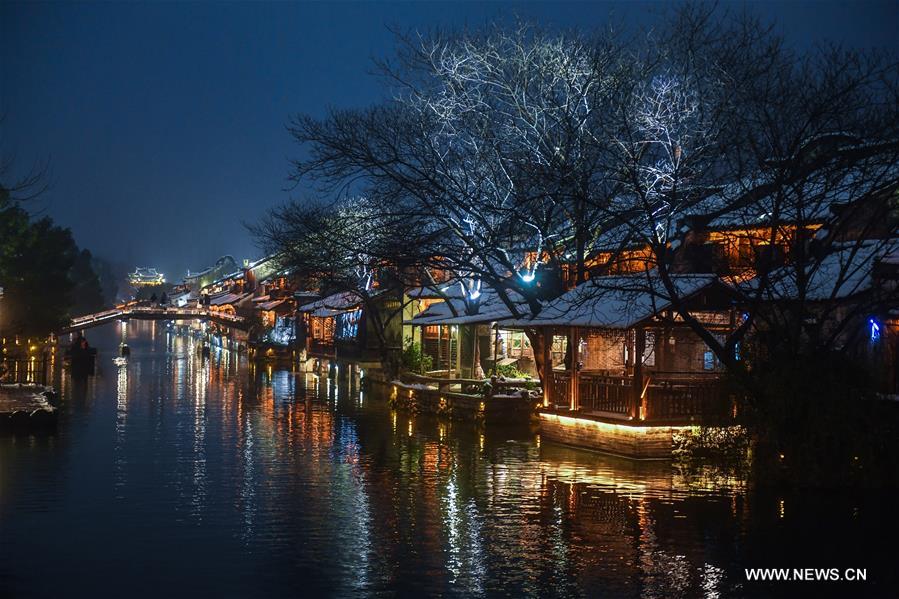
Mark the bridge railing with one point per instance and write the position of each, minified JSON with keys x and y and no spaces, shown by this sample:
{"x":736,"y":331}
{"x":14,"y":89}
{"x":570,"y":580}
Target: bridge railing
{"x":154,"y":310}
{"x":95,"y":316}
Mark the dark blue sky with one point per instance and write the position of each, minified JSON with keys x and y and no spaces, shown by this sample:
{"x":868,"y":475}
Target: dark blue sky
{"x":163,"y":123}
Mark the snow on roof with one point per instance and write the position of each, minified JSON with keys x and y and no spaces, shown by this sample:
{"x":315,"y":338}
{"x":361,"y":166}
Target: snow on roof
{"x":343,"y":300}
{"x":254,"y":263}
{"x":271,"y":305}
{"x":810,"y":198}
{"x":614,"y":302}
{"x":227,"y":298}
{"x":638,"y":227}
{"x":622,"y":236}
{"x":813,"y":205}
{"x":218,"y":264}
{"x":490,"y":308}
{"x":841,"y":274}
{"x":306,"y":294}
{"x":448,"y":289}
{"x":326,"y":312}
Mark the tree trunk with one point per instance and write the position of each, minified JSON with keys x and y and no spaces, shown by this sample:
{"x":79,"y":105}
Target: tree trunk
{"x":536,"y":339}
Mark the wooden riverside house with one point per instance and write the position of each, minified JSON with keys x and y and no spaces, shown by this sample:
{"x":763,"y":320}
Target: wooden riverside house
{"x":469,"y":343}
{"x":628,"y":372}
{"x":343,"y":327}
{"x":624,"y":370}
{"x":437,"y":340}
{"x":319,"y":322}
{"x":260,"y":294}
{"x":466,"y":340}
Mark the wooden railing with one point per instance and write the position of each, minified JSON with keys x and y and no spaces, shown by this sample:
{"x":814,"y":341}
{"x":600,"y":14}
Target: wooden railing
{"x":670,"y":397}
{"x":440,"y":382}
{"x":322,"y":348}
{"x":26,"y":370}
{"x":560,"y":388}
{"x":497,"y":387}
{"x":603,"y":393}
{"x":680,"y":399}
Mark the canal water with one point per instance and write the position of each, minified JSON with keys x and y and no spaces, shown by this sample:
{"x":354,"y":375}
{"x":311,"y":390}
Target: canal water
{"x":177,"y":476}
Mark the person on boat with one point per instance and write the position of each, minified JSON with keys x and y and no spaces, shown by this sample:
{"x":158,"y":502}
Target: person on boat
{"x":79,"y":345}
{"x":82,"y":355}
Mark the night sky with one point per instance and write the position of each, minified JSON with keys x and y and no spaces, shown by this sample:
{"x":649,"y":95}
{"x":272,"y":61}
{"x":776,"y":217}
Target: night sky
{"x":163,"y":124}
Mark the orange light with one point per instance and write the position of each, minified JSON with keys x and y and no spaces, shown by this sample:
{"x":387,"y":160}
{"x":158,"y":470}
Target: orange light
{"x":608,"y":426}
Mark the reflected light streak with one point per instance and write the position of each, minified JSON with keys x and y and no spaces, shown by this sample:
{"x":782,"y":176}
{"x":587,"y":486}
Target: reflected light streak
{"x":121,"y":418}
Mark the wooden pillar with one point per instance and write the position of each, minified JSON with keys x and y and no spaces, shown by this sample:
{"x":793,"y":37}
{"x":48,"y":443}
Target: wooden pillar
{"x":733,"y":327}
{"x":438,"y":365}
{"x":639,"y":349}
{"x":547,"y":366}
{"x":450,"y":365}
{"x":664,"y":351}
{"x":475,"y":354}
{"x":459,"y":349}
{"x":495,"y":347}
{"x":573,"y":339}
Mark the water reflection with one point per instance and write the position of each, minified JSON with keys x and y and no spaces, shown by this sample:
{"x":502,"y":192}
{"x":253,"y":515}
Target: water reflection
{"x":241,"y":480}
{"x":199,"y":446}
{"x":121,"y":460}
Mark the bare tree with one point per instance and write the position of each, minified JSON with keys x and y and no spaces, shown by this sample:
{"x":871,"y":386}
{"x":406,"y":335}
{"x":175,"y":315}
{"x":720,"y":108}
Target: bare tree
{"x":346,"y":248}
{"x":513,"y":157}
{"x":772,"y":152}
{"x":495,"y":147}
{"x":775,"y":171}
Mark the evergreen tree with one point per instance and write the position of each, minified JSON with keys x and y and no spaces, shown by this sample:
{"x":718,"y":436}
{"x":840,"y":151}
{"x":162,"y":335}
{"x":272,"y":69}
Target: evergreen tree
{"x":45,"y":277}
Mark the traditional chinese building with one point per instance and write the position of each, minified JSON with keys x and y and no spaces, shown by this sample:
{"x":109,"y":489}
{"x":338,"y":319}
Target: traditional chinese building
{"x":146,"y":277}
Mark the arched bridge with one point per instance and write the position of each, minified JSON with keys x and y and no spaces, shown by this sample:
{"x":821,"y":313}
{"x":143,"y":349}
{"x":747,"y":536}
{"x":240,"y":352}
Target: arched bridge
{"x":152,"y":313}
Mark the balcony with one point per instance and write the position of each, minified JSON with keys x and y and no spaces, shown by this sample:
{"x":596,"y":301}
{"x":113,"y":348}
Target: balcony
{"x":665,"y":398}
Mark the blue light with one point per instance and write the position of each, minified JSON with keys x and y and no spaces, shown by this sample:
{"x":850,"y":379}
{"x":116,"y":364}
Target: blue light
{"x":875,"y":329}
{"x":282,"y":333}
{"x":348,"y":324}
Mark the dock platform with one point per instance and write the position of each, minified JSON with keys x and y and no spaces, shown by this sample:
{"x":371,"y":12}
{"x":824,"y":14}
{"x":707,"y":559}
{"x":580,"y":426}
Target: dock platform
{"x":26,"y":408}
